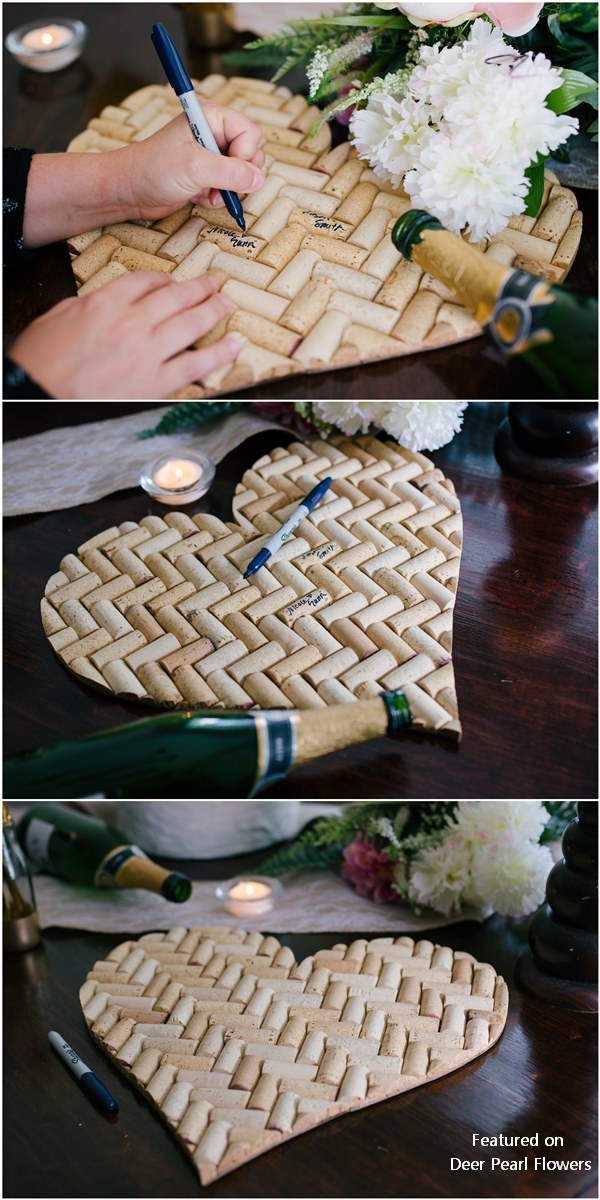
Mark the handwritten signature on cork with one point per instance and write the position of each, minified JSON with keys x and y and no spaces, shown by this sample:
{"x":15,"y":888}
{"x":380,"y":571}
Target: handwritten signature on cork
{"x":237,"y":241}
{"x":321,"y":223}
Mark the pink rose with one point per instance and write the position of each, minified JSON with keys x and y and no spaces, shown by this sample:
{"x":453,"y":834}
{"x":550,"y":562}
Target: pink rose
{"x":513,"y":19}
{"x":370,"y":871}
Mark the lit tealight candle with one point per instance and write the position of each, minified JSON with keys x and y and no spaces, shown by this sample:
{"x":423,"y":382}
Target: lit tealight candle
{"x":47,"y":47}
{"x":175,"y":480}
{"x":178,"y":473}
{"x":47,"y":37}
{"x":248,"y":897}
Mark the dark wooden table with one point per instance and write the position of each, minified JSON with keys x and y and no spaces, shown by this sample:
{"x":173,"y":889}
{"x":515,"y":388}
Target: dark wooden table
{"x":46,"y":111}
{"x":525,"y":631}
{"x":539,"y":1078}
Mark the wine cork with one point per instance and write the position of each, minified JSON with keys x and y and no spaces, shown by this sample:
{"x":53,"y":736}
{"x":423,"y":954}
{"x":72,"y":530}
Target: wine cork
{"x":198,"y":262}
{"x":418,"y":318}
{"x":289,"y":154}
{"x":213,"y":1143}
{"x":258,"y":202}
{"x":536,"y":248}
{"x":372,"y":228}
{"x":307,"y":198}
{"x":401,"y":286}
{"x":300,"y":176}
{"x":324,"y":338}
{"x":174,"y":221}
{"x":183,"y":241}
{"x":138,"y":260}
{"x":568,"y":244}
{"x":246,"y":270}
{"x":218,"y":217}
{"x":294,"y":276}
{"x":137,"y":237}
{"x":346,"y":279}
{"x":95,"y":256}
{"x":357,"y":205}
{"x":305,"y":119}
{"x":82,"y":240}
{"x":300,"y":692}
{"x":345,"y":179}
{"x":321,"y":225}
{"x":106,"y":274}
{"x":277,"y":136}
{"x":194,"y":1122}
{"x":264,"y":332}
{"x":330,"y":249}
{"x":234,"y":241}
{"x":346,"y":607}
{"x":253,"y":300}
{"x":308,"y":306}
{"x":333,"y":160}
{"x":364,"y":312}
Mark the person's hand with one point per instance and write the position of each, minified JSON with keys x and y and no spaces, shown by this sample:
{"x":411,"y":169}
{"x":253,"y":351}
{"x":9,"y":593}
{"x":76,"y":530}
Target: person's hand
{"x":167,"y":170}
{"x":128,"y":340}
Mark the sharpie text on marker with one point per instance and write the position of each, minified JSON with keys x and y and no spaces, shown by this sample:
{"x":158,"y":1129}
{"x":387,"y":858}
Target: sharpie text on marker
{"x":91,"y":1085}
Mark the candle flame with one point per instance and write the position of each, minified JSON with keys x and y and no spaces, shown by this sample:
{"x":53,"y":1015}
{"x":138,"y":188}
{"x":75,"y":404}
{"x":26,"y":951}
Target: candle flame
{"x":178,"y":474}
{"x":47,"y":39}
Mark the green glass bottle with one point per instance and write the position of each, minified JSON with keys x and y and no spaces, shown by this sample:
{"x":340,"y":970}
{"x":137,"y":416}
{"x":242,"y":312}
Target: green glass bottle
{"x":555,"y":330}
{"x":199,"y":755}
{"x":90,"y":853}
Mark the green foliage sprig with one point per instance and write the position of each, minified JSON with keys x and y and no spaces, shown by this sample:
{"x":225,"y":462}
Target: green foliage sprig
{"x":193,"y":414}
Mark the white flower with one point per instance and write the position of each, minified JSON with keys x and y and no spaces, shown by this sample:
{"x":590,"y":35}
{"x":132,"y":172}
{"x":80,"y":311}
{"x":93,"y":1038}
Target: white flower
{"x":317,"y":69}
{"x":425,"y":425}
{"x":351,"y":416}
{"x":497,"y":823}
{"x":439,"y":875}
{"x":463,"y":128}
{"x":512,"y":880}
{"x":514,"y":19}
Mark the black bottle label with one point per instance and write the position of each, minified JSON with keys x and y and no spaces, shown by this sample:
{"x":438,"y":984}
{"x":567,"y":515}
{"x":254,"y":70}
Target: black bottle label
{"x":106,"y":875}
{"x":276,"y":740}
{"x":519,"y":318}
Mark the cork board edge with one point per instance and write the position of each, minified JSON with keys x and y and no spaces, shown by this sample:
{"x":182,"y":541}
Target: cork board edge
{"x":277,"y":1137}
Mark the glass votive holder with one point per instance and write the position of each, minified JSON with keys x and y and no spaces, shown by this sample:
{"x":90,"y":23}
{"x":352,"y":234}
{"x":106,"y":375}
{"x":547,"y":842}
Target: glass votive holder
{"x":178,"y":477}
{"x":47,"y":45}
{"x":248,"y":896}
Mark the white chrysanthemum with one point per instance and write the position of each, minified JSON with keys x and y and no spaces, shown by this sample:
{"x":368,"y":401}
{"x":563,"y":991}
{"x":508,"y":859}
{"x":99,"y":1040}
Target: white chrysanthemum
{"x":439,"y":875}
{"x":512,"y":880}
{"x":464,"y":191}
{"x":425,"y":425}
{"x":351,"y":416}
{"x":471,"y":119}
{"x":497,"y":823}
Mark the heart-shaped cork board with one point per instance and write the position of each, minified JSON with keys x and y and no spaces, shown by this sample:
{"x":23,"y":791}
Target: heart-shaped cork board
{"x":316,"y":282}
{"x":240,"y":1047}
{"x":358,"y":601}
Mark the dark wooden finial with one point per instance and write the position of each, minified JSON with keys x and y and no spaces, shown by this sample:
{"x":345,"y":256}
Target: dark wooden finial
{"x":562,"y":964}
{"x":551,"y":443}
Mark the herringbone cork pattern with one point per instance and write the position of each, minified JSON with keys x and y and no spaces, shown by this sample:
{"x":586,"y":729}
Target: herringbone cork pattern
{"x":315,"y":281}
{"x":240,"y":1047}
{"x":358,"y":601}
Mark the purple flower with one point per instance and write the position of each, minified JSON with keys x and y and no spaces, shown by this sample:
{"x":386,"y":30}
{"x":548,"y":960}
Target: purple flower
{"x":370,"y":871}
{"x":285,"y":413}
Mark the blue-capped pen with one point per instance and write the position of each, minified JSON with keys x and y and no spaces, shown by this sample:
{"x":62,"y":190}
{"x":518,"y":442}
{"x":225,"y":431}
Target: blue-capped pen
{"x":91,"y":1085}
{"x":286,"y":530}
{"x":181,"y":83}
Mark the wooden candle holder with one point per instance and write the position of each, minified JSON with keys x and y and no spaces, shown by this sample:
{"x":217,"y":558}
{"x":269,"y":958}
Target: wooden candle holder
{"x":562,"y":963}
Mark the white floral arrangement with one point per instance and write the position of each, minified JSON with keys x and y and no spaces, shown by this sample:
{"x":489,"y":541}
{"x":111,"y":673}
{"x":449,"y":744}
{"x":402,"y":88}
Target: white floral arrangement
{"x":418,"y":425}
{"x":447,"y":856}
{"x":457,"y":106}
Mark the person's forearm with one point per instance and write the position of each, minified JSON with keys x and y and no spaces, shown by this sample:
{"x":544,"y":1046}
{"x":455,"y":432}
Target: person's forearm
{"x":72,"y":193}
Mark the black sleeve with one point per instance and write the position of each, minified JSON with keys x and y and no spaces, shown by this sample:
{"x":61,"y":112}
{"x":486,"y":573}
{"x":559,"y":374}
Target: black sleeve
{"x":16,"y":169}
{"x":18,"y":385}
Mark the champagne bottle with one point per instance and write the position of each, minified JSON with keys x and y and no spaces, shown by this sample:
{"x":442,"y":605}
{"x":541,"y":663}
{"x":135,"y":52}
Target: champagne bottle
{"x":199,"y":754}
{"x":21,"y":929}
{"x":555,"y":330}
{"x":88,"y":852}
